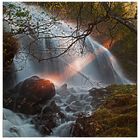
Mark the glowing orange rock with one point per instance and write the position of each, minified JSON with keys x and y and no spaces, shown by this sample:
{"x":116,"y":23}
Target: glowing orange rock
{"x":29,"y":96}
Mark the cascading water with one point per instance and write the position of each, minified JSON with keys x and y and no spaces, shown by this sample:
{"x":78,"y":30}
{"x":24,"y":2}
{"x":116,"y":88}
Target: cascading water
{"x":16,"y":125}
{"x":81,"y":72}
{"x":98,"y":63}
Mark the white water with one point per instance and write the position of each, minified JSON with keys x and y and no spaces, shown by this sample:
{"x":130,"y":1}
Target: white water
{"x":72,"y":101}
{"x":17,"y":125}
{"x":63,"y":130}
{"x":96,"y":66}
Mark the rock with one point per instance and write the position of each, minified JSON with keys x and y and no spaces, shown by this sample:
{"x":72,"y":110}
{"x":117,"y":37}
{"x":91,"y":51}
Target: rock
{"x":71,"y":98}
{"x":116,"y":117}
{"x":68,"y":109}
{"x":29,"y":96}
{"x":64,"y":87}
{"x":6,"y":27}
{"x":98,"y":92}
{"x":98,"y":96}
{"x":37,"y":89}
{"x":48,"y":118}
{"x":64,"y":90}
{"x":35,"y":96}
{"x":82,"y":127}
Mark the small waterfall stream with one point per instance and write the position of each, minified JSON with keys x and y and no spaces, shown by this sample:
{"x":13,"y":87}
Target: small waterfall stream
{"x":81,"y":72}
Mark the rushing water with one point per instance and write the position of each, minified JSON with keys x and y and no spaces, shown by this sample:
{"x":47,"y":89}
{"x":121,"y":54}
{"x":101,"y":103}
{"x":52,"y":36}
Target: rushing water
{"x":97,"y":64}
{"x":96,"y":67}
{"x":17,"y":125}
{"x":72,"y":101}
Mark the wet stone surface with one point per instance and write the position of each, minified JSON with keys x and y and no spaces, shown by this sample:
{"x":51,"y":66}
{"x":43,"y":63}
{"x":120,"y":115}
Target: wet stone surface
{"x":29,"y":96}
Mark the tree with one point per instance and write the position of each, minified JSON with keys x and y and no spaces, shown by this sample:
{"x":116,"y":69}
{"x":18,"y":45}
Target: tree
{"x":125,"y":21}
{"x":88,"y":16}
{"x":20,"y":22}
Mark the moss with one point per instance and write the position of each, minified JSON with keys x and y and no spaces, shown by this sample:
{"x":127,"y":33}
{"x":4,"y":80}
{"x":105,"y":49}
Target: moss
{"x":118,"y":132}
{"x":10,"y":48}
{"x":122,"y":105}
{"x":102,"y":113}
{"x":117,"y":117}
{"x":123,"y":89}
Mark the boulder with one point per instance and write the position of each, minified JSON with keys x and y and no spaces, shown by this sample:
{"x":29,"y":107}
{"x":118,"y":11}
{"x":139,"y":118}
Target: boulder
{"x":29,"y":96}
{"x":49,"y":118}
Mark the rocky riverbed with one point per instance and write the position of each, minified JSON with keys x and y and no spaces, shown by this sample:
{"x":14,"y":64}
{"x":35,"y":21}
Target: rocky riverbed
{"x":69,"y":111}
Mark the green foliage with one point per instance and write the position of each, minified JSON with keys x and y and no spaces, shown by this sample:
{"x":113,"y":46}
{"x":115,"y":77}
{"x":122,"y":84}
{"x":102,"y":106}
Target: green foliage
{"x":12,"y":6}
{"x":10,"y":48}
{"x":15,"y":11}
{"x":125,"y":41}
{"x":17,"y":18}
{"x":22,"y":13}
{"x":122,"y":89}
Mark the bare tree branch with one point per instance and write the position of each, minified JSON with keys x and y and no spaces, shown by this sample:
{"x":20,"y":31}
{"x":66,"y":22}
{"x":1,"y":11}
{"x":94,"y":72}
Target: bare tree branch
{"x":126,"y":23}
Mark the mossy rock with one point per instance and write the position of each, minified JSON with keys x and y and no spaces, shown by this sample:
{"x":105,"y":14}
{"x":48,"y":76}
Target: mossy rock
{"x":116,"y":117}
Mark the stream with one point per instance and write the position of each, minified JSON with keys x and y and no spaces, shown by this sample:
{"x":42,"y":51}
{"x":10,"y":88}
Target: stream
{"x":72,"y":73}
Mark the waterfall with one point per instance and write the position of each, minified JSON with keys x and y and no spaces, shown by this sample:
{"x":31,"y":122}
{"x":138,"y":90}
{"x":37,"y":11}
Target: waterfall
{"x":97,"y":65}
{"x":81,"y":71}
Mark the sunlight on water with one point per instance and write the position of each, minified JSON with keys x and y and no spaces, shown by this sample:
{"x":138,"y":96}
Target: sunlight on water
{"x":97,"y":64}
{"x":73,"y":74}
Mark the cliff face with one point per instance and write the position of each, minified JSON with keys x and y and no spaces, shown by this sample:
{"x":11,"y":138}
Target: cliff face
{"x":117,"y":117}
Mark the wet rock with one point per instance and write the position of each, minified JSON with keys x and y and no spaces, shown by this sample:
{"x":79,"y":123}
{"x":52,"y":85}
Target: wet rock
{"x":85,"y":127}
{"x":98,"y":96}
{"x":116,"y":117}
{"x":65,"y":91}
{"x":95,"y":92}
{"x":49,"y":118}
{"x":29,"y":96}
{"x":69,"y":109}
{"x":71,"y":98}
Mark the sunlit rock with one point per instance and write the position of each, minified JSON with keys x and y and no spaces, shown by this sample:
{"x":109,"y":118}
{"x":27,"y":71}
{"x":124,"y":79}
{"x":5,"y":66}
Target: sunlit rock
{"x":29,"y":96}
